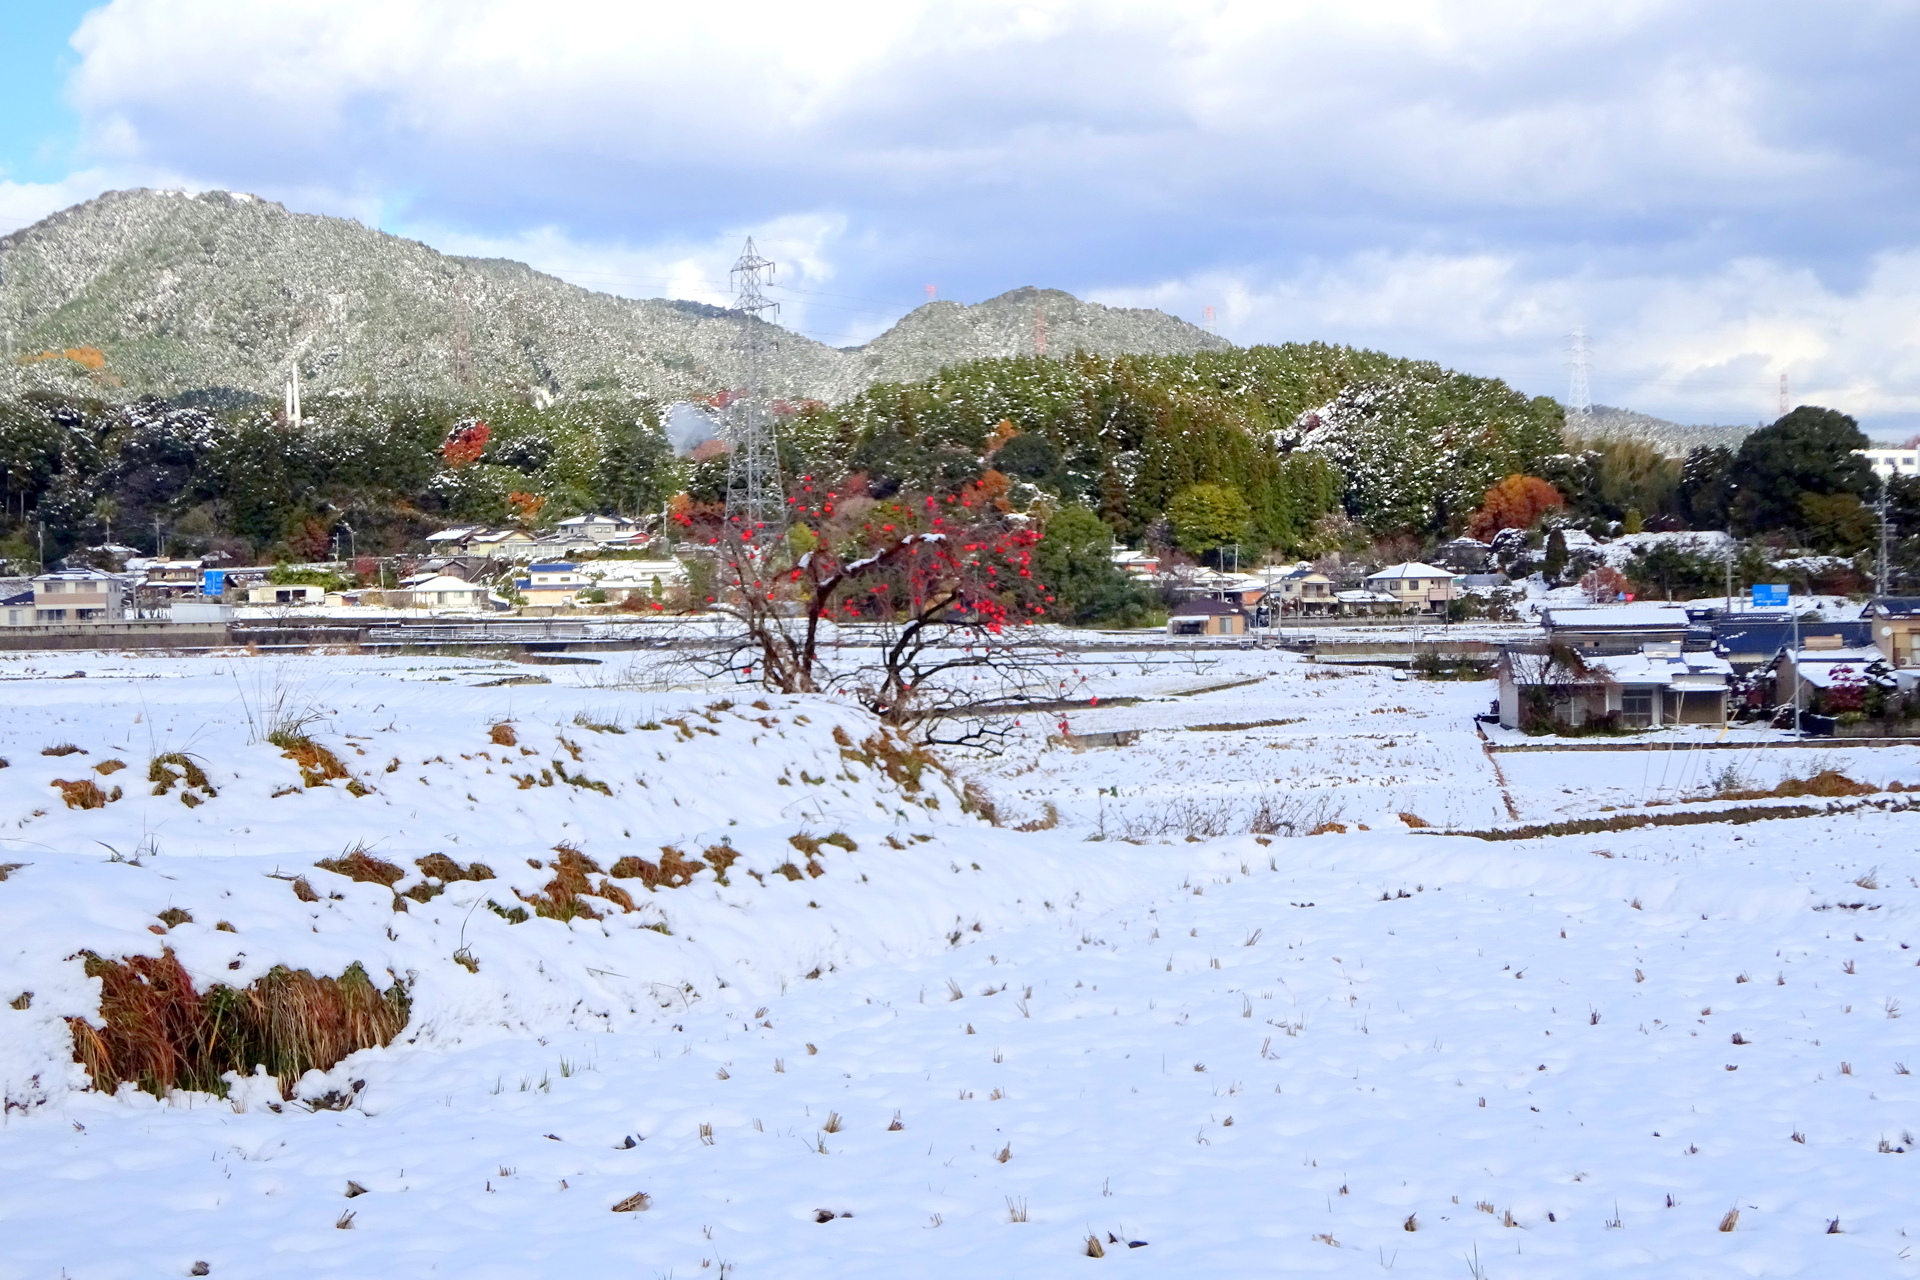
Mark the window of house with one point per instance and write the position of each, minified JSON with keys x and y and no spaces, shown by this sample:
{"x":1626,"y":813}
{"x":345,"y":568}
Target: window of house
{"x":1636,"y":708}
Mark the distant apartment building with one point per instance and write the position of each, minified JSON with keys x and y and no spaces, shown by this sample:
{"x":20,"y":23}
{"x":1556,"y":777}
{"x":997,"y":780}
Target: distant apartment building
{"x":78,"y":595}
{"x":1892,"y":462}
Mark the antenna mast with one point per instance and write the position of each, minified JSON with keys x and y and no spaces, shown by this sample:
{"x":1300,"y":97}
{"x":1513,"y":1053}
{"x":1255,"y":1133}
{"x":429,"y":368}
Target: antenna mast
{"x":755,"y":496}
{"x":1579,"y":396}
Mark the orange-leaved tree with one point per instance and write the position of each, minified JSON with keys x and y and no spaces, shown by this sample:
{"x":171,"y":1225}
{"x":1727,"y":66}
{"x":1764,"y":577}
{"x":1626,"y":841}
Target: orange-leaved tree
{"x":1514,"y":503}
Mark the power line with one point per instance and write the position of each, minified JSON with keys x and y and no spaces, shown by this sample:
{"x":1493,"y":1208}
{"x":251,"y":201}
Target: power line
{"x":755,"y":496}
{"x":1579,"y":395}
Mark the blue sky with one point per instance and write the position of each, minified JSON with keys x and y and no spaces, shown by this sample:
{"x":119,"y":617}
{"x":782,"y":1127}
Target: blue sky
{"x":1719,"y":193}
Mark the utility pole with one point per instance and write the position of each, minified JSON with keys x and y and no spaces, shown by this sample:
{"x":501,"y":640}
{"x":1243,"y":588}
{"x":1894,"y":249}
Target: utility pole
{"x":756,"y":499}
{"x":1882,"y":580}
{"x":1799,"y":729}
{"x":1786,"y":396}
{"x":159,"y":547}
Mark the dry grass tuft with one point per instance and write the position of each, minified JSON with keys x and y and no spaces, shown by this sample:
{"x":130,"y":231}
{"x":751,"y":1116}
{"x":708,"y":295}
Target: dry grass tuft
{"x":502,"y":735}
{"x":63,"y":749}
{"x":1731,"y":1221}
{"x":1016,"y":1208}
{"x":638,"y":1202}
{"x":174,"y":916}
{"x":359,"y":865}
{"x":107,"y":768}
{"x":1094,"y":1248}
{"x":25,"y":1001}
{"x":1325,"y":828}
{"x":1046,"y":822}
{"x":1411,"y":1224}
{"x":1827,"y":783}
{"x":84,"y":793}
{"x":974,"y":799}
{"x":160,"y":1034}
{"x":674,"y":870}
{"x":834,"y":1123}
{"x":438,"y":866}
{"x":304,"y":891}
{"x":720,"y":857}
{"x":560,"y":898}
{"x":318,"y":766}
{"x":1414,"y":820}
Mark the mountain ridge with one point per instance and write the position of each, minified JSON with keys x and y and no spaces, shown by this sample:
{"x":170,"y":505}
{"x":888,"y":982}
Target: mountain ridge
{"x":167,"y":293}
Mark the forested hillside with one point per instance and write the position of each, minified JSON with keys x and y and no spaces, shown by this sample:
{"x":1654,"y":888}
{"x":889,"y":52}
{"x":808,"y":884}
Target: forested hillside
{"x":1288,"y":433}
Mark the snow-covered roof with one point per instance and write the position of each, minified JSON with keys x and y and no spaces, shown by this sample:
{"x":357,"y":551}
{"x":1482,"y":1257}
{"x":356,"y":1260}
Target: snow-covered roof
{"x":1201,"y":607}
{"x":446,"y":582}
{"x":453,"y":535}
{"x":1365,"y":597}
{"x":1615,"y":617}
{"x":1656,"y":664}
{"x":1410,"y":569}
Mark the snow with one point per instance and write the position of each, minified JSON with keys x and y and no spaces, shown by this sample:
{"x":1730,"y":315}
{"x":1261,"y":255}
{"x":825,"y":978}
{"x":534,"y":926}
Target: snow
{"x":1252,"y":1053}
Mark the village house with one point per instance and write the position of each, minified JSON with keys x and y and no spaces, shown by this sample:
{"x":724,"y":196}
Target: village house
{"x":1415,"y":587}
{"x":1751,"y":643}
{"x":1615,"y":628}
{"x":1363,"y":602}
{"x":16,"y":607}
{"x":1466,"y":555}
{"x":596,"y":528}
{"x":650,"y":579}
{"x":1896,"y":629}
{"x":1809,"y":677}
{"x":78,"y":595}
{"x":1136,"y":564}
{"x":1302,"y":590}
{"x":1660,"y":684}
{"x":552,"y":585}
{"x":442,"y":592}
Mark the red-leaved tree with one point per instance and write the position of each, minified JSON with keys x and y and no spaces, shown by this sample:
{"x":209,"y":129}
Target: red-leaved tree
{"x":913,"y":604}
{"x":464,"y":444}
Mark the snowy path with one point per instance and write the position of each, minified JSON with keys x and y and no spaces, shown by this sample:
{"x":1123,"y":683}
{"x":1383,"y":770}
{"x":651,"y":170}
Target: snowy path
{"x":1287,"y":1102}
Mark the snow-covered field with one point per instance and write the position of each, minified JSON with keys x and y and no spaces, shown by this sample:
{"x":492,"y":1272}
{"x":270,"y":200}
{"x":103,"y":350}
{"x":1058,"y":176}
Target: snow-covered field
{"x":1379,"y":1050}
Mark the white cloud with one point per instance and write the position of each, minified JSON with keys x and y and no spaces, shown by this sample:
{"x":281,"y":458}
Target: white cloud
{"x":801,"y":246}
{"x":1705,"y":347}
{"x":1719,"y":189}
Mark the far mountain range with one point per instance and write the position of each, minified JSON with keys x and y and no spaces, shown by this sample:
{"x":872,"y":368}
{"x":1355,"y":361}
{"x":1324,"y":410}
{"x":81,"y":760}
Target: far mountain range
{"x":159,"y":292}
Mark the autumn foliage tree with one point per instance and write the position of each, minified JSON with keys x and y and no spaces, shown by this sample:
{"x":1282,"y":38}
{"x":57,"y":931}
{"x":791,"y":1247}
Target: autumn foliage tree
{"x":1514,"y":503}
{"x":464,"y":444}
{"x":909,"y":604}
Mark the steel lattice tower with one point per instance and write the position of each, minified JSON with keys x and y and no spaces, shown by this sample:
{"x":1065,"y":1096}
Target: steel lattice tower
{"x":1579,"y":396}
{"x":754,"y":492}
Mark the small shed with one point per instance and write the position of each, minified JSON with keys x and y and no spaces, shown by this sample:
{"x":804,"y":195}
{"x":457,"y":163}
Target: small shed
{"x":286,"y":593}
{"x":1203,"y":617}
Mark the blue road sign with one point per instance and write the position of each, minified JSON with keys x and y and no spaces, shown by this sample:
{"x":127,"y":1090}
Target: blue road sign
{"x":213,"y":582}
{"x":1770,"y":595}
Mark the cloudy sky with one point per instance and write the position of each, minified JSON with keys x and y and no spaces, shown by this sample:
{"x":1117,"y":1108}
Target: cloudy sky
{"x":1718,"y":193}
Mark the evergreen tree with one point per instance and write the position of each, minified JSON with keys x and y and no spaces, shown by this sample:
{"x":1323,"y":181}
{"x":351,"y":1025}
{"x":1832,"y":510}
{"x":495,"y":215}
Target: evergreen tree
{"x":1075,"y":561}
{"x":1810,"y":450}
{"x":1554,"y":563}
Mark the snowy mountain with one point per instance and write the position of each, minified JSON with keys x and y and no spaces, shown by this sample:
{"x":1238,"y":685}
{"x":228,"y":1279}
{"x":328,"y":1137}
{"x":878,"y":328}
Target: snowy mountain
{"x":161,"y":292}
{"x":1604,"y":422}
